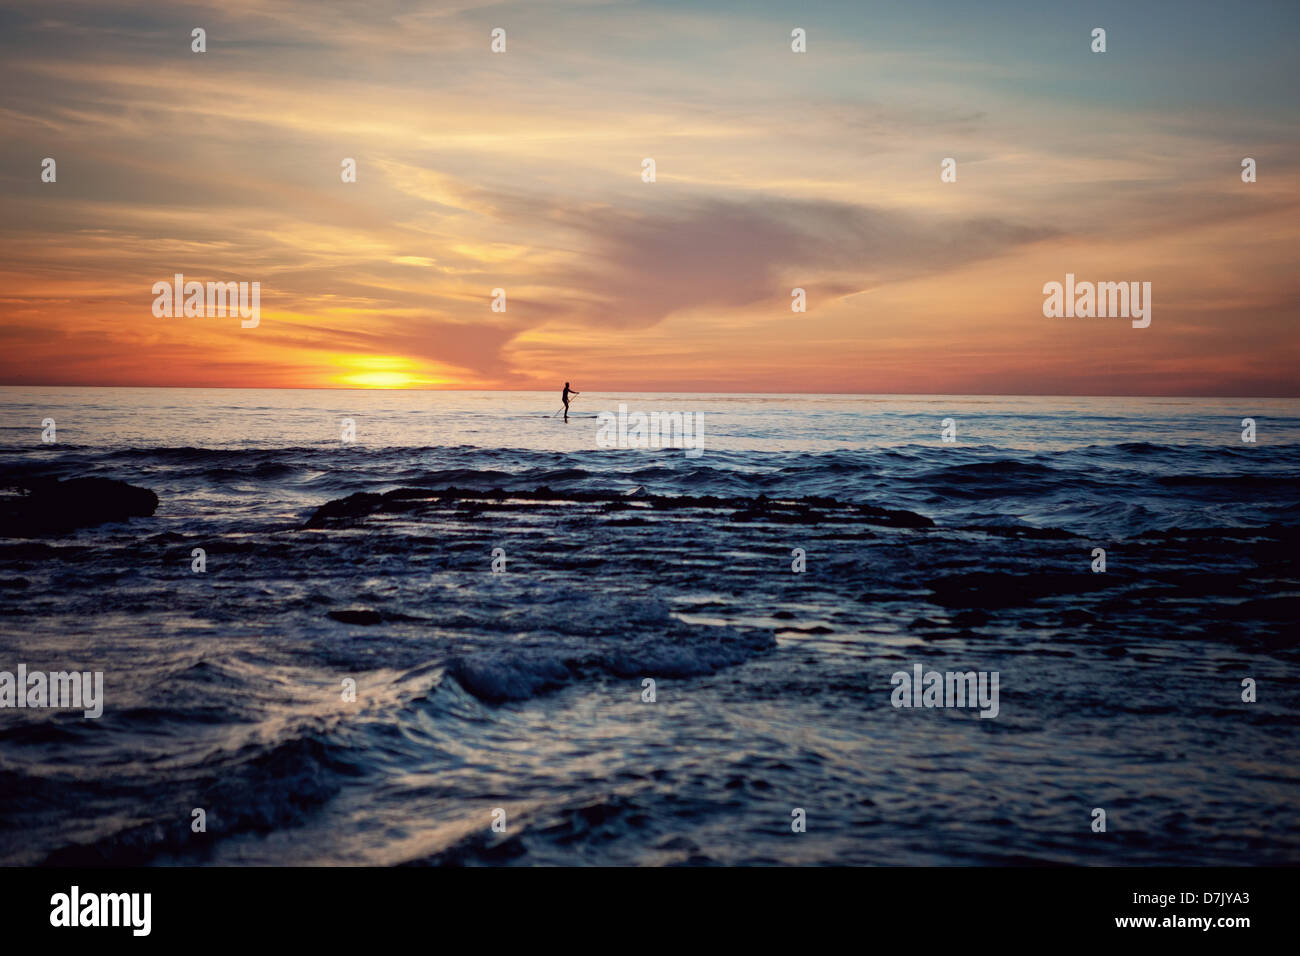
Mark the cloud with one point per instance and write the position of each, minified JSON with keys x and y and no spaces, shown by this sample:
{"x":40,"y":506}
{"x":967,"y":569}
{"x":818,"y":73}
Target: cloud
{"x":643,"y":266}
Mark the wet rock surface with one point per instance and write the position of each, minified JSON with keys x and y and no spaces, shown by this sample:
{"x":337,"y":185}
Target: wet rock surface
{"x":43,"y":506}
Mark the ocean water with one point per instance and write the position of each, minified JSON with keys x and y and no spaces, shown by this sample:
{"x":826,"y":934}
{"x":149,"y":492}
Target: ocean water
{"x":522,"y":690}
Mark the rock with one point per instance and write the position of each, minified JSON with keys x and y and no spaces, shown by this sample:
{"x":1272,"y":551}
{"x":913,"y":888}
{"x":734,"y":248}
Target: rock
{"x":51,"y":506}
{"x":989,"y":590}
{"x":357,"y":616}
{"x":344,"y":509}
{"x":414,"y":502}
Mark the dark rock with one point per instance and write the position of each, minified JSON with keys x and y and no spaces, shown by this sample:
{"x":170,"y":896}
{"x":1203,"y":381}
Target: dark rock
{"x":992,"y":590}
{"x":357,"y":616}
{"x":51,"y":506}
{"x":351,"y":507}
{"x":349,"y":511}
{"x":894,"y":517}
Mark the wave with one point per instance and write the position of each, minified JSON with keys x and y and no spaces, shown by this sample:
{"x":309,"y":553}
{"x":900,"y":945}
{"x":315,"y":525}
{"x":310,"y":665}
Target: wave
{"x":500,"y":675}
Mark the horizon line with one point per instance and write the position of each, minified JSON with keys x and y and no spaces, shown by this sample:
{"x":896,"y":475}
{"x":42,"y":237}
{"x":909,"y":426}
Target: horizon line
{"x":544,"y":391}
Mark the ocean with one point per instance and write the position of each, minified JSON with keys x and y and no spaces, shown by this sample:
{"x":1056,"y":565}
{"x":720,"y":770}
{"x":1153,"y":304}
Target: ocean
{"x":499,"y":588}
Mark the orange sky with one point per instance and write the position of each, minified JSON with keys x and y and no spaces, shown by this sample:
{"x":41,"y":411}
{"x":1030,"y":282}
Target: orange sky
{"x":522,"y":171}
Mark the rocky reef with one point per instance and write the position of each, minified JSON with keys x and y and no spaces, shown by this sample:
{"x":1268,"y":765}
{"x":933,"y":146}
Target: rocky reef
{"x":45,"y":506}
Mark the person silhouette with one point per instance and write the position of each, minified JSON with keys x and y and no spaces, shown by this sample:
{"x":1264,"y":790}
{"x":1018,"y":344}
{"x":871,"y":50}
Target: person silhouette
{"x":565,"y":395}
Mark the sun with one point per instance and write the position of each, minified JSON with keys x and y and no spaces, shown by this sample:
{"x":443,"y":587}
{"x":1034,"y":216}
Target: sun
{"x":378,"y":380}
{"x":376,"y":371}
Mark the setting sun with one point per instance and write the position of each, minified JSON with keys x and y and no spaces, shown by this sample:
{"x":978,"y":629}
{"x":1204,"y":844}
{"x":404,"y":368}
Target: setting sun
{"x":378,"y":380}
{"x":378,"y":371}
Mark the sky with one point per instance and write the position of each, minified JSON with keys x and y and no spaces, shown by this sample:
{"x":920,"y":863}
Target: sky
{"x":522,"y":171}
